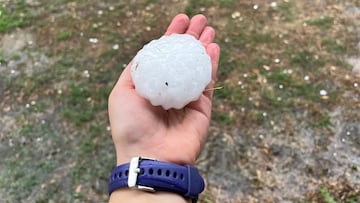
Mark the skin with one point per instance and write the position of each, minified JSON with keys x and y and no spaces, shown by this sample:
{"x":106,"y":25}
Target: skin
{"x":177,"y":136}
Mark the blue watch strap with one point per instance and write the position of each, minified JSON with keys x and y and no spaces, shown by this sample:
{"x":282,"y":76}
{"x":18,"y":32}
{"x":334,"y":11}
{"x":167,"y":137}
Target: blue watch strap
{"x":158,"y":176}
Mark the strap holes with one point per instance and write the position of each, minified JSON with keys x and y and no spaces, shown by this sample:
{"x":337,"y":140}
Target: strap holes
{"x":167,"y":173}
{"x":151,"y":171}
{"x":182,"y":176}
{"x":120,"y":174}
{"x":159,"y":172}
{"x":142,"y":171}
{"x":174,"y":175}
{"x":126,"y":173}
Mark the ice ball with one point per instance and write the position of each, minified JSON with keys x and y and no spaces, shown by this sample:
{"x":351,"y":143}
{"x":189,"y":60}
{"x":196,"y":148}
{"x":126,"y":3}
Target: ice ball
{"x":171,"y":71}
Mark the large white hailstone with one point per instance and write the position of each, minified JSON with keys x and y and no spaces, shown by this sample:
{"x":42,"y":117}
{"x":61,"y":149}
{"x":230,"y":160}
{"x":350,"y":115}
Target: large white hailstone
{"x":171,"y":71}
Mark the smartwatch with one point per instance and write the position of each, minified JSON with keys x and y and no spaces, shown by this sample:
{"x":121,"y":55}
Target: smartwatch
{"x":152,"y":175}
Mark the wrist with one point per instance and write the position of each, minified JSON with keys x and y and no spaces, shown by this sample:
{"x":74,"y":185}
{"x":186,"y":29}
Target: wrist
{"x":137,"y":196}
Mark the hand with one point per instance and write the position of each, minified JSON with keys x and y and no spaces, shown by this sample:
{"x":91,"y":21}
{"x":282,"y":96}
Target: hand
{"x":177,"y":136}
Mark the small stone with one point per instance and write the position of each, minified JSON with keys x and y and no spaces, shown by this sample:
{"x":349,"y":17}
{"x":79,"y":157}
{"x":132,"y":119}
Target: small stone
{"x":323,"y":92}
{"x":108,"y":128}
{"x":100,"y":12}
{"x":266,"y":67}
{"x":93,"y":40}
{"x":355,"y":84}
{"x":273,"y":4}
{"x":111,"y":8}
{"x":33,"y":103}
{"x":277,"y":60}
{"x":7,"y":109}
{"x":255,"y":7}
{"x":27,"y":105}
{"x":281,"y":86}
{"x":236,"y":14}
{"x":245,"y":75}
{"x":116,"y":47}
{"x":86,"y":73}
{"x":264,"y":114}
{"x":306,"y":78}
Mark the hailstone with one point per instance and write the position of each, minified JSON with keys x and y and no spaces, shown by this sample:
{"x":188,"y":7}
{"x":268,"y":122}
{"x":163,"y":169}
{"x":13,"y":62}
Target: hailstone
{"x":171,"y":71}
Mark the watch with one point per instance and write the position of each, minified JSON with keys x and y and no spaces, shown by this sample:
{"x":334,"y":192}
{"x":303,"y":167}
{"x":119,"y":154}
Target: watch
{"x":152,"y":175}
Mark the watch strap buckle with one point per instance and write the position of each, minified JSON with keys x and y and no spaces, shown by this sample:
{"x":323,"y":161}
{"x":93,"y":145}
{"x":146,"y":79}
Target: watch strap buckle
{"x":133,"y":174}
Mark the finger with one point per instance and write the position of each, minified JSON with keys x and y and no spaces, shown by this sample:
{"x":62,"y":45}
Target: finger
{"x":179,"y":24}
{"x":125,"y":79}
{"x":197,"y":25}
{"x":214,"y":52}
{"x":207,"y":36}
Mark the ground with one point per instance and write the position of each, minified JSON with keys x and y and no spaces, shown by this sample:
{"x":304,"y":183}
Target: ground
{"x":285,"y":125}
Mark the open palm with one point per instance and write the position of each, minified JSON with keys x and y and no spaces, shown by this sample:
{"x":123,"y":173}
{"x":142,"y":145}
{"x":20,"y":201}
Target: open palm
{"x":140,"y":129}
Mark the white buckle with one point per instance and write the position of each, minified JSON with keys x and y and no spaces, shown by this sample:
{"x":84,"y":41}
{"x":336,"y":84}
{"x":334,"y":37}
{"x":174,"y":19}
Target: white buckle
{"x":134,"y":171}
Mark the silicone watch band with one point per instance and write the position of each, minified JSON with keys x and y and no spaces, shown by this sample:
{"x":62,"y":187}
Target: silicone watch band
{"x":152,"y":175}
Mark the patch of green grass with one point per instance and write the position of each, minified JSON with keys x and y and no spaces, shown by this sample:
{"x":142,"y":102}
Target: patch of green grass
{"x":324,"y":121}
{"x":226,"y":65}
{"x":94,"y":143}
{"x":226,"y":3}
{"x":257,"y":38}
{"x":27,"y":166}
{"x":353,"y":199}
{"x":11,"y":19}
{"x":16,"y":56}
{"x":306,"y":60}
{"x":333,"y":46}
{"x":324,"y":22}
{"x":2,"y":59}
{"x":194,"y":6}
{"x":280,"y":77}
{"x":222,"y":118}
{"x":38,"y":106}
{"x":354,"y":167}
{"x":327,"y":197}
{"x":271,"y":97}
{"x":78,"y":109}
{"x":308,"y":92}
{"x":151,"y":1}
{"x":64,"y":35}
{"x":286,"y":10}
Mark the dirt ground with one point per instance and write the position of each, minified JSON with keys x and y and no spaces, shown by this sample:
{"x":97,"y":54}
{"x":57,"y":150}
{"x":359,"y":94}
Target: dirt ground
{"x":285,"y":126}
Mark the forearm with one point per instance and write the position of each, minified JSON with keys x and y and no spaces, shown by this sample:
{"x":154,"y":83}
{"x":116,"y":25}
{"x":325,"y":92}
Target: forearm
{"x":137,"y":196}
